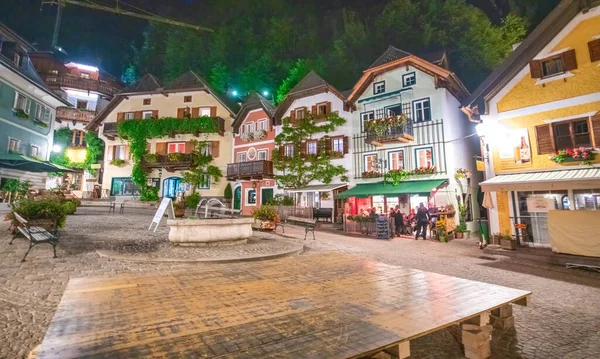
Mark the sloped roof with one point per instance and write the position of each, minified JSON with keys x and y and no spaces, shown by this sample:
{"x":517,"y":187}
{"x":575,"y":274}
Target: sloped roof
{"x":539,"y":38}
{"x":146,"y":83}
{"x":253,"y":102}
{"x":310,"y":81}
{"x":188,"y":80}
{"x":391,"y":54}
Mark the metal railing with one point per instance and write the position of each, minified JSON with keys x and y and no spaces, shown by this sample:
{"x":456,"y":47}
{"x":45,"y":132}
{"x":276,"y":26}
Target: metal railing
{"x":248,"y":170}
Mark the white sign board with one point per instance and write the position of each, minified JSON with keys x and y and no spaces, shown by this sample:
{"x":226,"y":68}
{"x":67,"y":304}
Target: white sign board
{"x":540,"y":205}
{"x":160,"y":212}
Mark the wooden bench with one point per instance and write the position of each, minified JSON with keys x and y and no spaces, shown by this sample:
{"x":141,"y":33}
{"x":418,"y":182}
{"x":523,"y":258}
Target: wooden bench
{"x":112,"y":205}
{"x":323,"y":213}
{"x":35,"y":234}
{"x":308,"y":224}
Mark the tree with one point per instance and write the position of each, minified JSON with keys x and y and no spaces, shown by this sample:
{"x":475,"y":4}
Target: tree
{"x":201,"y":171}
{"x":299,"y":169}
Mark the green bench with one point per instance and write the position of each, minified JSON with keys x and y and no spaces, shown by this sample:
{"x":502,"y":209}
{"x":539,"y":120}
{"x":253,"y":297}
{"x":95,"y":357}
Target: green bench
{"x":308,"y":224}
{"x":35,"y":234}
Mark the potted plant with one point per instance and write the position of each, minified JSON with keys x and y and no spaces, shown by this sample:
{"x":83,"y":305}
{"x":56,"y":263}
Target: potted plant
{"x":247,"y":136}
{"x":508,"y":242}
{"x":152,"y":158}
{"x":325,"y":196}
{"x":118,"y":162}
{"x":179,"y":209}
{"x":267,"y":215}
{"x":496,"y":238}
{"x":175,"y":157}
{"x":260,"y":135}
{"x":20,"y":113}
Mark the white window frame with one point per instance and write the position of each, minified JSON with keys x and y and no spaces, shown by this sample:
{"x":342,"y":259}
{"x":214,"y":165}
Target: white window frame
{"x":204,"y":111}
{"x":422,"y":110}
{"x":242,"y":157}
{"x":300,"y":110}
{"x":322,"y":106}
{"x":148,"y":114}
{"x":129,"y":115}
{"x":390,"y":161}
{"x":207,"y":148}
{"x":418,"y":157}
{"x":365,"y":162}
{"x":289,"y":153}
{"x":206,"y":184}
{"x":340,"y":144}
{"x":409,"y":76}
{"x":119,"y":152}
{"x":378,"y":87}
{"x":179,"y":147}
{"x":13,"y":140}
{"x":262,"y":125}
{"x":249,"y":127}
{"x":266,"y":155}
{"x":42,"y":114}
{"x":37,"y":151}
{"x":309,"y":147}
{"x":364,"y":117}
{"x":27,"y":102}
{"x":246,"y":197}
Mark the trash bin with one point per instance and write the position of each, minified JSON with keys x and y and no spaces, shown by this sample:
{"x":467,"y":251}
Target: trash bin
{"x":484,"y":232}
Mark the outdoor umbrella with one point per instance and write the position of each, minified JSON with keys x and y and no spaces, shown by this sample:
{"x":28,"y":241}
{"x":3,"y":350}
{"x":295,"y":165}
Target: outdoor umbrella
{"x":487,"y":200}
{"x":23,"y":163}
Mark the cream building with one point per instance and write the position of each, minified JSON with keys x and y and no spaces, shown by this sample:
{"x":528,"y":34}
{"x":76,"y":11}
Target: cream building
{"x":189,"y":96}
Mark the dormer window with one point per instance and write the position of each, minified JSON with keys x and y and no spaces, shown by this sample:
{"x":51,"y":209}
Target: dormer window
{"x":322,"y":109}
{"x":553,"y":65}
{"x":409,"y":79}
{"x":378,"y":87}
{"x":300,"y":112}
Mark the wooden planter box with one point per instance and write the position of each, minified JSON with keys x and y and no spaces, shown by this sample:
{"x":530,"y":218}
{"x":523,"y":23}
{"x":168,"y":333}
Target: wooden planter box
{"x":508,"y":244}
{"x":458,"y":235}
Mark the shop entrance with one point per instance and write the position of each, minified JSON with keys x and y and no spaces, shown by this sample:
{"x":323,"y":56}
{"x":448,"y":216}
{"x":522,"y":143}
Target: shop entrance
{"x":171,"y":186}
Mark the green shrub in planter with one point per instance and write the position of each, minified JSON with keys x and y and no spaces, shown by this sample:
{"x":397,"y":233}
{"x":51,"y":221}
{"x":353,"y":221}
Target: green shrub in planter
{"x":149,"y":195}
{"x":228,"y":193}
{"x":69,"y":207}
{"x":265,"y":213}
{"x":175,"y":157}
{"x":42,"y":209}
{"x":192,"y":200}
{"x":152,"y":158}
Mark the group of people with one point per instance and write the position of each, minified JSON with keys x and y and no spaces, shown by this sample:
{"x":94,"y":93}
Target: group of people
{"x":417,"y":221}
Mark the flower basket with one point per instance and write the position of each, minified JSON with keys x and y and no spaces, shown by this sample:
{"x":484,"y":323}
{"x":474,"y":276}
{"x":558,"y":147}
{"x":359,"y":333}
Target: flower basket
{"x":175,"y":157}
{"x":506,"y":242}
{"x":118,"y":162}
{"x":584,"y":156}
{"x":152,"y":158}
{"x":420,"y":171}
{"x":21,"y":114}
{"x":337,"y":154}
{"x":247,"y":136}
{"x":371,"y":174}
{"x":260,"y":135}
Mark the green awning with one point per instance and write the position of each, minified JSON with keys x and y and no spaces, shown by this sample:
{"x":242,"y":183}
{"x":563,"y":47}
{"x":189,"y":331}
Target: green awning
{"x":365,"y":190}
{"x":23,"y":163}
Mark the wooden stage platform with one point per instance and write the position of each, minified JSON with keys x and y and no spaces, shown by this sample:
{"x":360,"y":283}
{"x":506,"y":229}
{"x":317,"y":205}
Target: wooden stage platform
{"x":315,"y":306}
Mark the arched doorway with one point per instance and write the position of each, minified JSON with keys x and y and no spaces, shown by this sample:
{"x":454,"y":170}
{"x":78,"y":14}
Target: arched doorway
{"x":170,"y":187}
{"x":237,"y":198}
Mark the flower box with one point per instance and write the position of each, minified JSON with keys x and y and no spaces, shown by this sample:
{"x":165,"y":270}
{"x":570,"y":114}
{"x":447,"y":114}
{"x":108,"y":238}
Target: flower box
{"x":371,"y":174}
{"x":584,"y":156}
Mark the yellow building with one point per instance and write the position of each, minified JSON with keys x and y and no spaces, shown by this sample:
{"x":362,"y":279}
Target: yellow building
{"x":544,"y":99}
{"x":187,"y":98}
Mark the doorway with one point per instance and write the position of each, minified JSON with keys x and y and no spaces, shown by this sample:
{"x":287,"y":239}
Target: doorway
{"x":237,"y":198}
{"x":266,"y":194}
{"x":170,"y":187}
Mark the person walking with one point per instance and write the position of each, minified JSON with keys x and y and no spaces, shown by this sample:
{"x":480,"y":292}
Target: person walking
{"x":423,"y":219}
{"x":399,"y":221}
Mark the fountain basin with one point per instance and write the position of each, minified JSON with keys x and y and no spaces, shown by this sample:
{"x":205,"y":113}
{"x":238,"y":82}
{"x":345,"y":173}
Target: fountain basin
{"x":209,"y":232}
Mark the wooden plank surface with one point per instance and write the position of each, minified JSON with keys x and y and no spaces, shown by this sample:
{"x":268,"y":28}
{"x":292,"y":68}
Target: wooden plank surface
{"x":319,"y":306}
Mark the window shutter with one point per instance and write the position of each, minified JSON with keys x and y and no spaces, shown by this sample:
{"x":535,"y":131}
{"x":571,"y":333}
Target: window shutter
{"x":281,"y":153}
{"x":595,"y":122}
{"x":195,"y":112}
{"x":328,"y":107}
{"x":569,"y":60}
{"x":110,"y":152}
{"x":302,"y":149}
{"x":215,"y":149}
{"x":535,"y":68}
{"x":293,"y":117}
{"x":189,"y":147}
{"x":314,"y":110}
{"x":155,"y":113}
{"x":161,"y":148}
{"x":543,"y":137}
{"x":126,"y":152}
{"x":213,"y":111}
{"x":180,"y":112}
{"x":120,"y":116}
{"x":594,"y":47}
{"x":346,"y":144}
{"x":137,"y":115}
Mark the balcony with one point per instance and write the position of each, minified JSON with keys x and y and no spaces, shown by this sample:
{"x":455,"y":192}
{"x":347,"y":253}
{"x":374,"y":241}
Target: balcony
{"x":389,"y":127}
{"x":172,"y":162}
{"x":110,"y":130}
{"x":250,"y":170}
{"x":74,"y":114}
{"x":100,"y":86}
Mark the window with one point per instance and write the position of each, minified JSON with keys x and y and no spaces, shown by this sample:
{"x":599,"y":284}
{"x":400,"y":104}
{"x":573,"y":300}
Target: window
{"x":241,"y":157}
{"x":205,"y":182}
{"x":17,"y":60}
{"x":262,"y":125}
{"x":262,"y":155}
{"x":187,"y":98}
{"x":146,"y":115}
{"x":552,"y":67}
{"x":366,"y":116}
{"x":42,"y":114}
{"x":249,"y":127}
{"x":82,"y":104}
{"x":300,"y":112}
{"x":206,"y":148}
{"x":53,"y":72}
{"x":409,"y":79}
{"x":176,"y":147}
{"x":13,"y":145}
{"x":204,"y":111}
{"x":84,"y":75}
{"x":378,"y":87}
{"x":393,"y":110}
{"x":35,"y":151}
{"x":129,"y":115}
{"x":22,"y":102}
{"x":288,"y":150}
{"x":147,"y":101}
{"x":396,"y":159}
{"x":572,"y":134}
{"x":370,"y":163}
{"x":322,"y":108}
{"x":311,"y":147}
{"x":422,"y":110}
{"x":119,"y":152}
{"x":123,"y":186}
{"x":78,"y":138}
{"x":337,"y":144}
{"x":424,"y":157}
{"x":250,"y":197}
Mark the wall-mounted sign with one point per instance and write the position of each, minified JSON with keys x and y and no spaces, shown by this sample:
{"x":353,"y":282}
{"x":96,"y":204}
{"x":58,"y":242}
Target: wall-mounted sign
{"x":514,"y":144}
{"x":96,"y":166}
{"x":540,"y":205}
{"x":480,"y":166}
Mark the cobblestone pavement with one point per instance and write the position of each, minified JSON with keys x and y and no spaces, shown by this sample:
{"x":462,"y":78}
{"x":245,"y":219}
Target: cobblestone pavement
{"x":564,"y":321}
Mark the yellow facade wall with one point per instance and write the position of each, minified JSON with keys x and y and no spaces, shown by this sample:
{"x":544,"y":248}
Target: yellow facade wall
{"x":504,"y":211}
{"x":529,"y":122}
{"x":586,"y":77}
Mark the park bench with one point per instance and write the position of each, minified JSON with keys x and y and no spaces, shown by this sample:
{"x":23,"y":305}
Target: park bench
{"x":323,"y":213}
{"x":308,"y":224}
{"x":35,"y":234}
{"x":112,"y":205}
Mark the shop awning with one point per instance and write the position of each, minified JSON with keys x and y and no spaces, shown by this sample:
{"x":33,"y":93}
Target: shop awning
{"x":318,"y":188}
{"x":23,"y":163}
{"x":545,"y":181}
{"x":365,"y":190}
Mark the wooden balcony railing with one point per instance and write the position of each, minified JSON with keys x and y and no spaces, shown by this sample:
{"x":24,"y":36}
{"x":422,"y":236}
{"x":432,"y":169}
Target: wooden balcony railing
{"x":250,"y":170}
{"x":110,"y":128}
{"x":74,"y":114}
{"x":399,"y":133}
{"x":100,"y":86}
{"x":174,"y":162}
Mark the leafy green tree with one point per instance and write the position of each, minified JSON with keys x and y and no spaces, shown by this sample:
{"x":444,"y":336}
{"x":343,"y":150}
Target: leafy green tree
{"x":299,"y":169}
{"x":220,"y":77}
{"x":201,"y":170}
